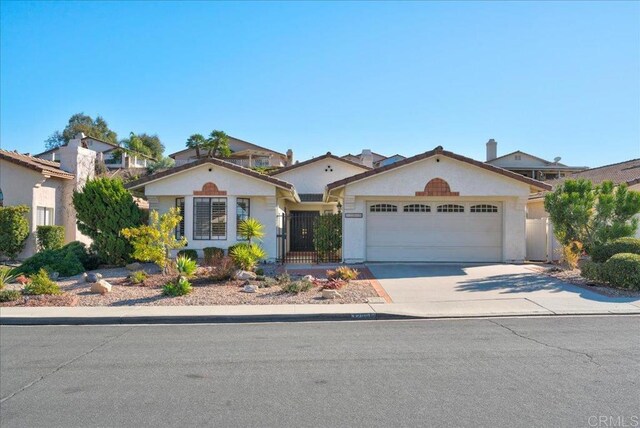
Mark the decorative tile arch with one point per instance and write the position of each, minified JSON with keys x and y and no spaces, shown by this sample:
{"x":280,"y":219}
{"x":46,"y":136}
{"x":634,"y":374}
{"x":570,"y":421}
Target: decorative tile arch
{"x":437,"y":187}
{"x":209,"y":189}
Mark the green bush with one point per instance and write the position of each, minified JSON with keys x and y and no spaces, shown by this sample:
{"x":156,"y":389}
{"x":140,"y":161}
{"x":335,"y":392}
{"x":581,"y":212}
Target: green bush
{"x":138,"y":277}
{"x":211,"y":254}
{"x":623,"y":270}
{"x":602,"y":253}
{"x":50,"y":237}
{"x":69,"y":260}
{"x":232,"y":247}
{"x":327,"y":236}
{"x":192,"y":254}
{"x":295,"y":287}
{"x":344,"y":273}
{"x":592,"y":271}
{"x":104,"y":207}
{"x":247,"y":256}
{"x":9,"y":295}
{"x":41,"y":284}
{"x":186,"y":266}
{"x":14,"y":230}
{"x":180,"y":287}
{"x":7,"y":276}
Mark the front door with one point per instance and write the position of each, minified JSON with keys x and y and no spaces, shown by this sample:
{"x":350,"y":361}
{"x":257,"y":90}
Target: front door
{"x":301,"y":230}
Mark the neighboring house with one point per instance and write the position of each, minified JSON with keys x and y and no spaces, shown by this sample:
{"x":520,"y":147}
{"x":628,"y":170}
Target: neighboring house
{"x":529,"y":165}
{"x":46,"y":187}
{"x":372,"y":159}
{"x":435,"y":206}
{"x":113,"y":156}
{"x":243,"y":153}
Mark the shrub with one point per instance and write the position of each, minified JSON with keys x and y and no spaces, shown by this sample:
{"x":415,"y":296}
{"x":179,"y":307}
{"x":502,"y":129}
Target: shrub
{"x":247,"y":256}
{"x":623,"y":270}
{"x":192,"y":254}
{"x":138,"y":277}
{"x":179,"y":287}
{"x":333,"y":284}
{"x":251,"y":229}
{"x":344,"y":273}
{"x":7,"y":276}
{"x":327,"y":235}
{"x":571,"y":254}
{"x":602,"y":253}
{"x":295,"y":287}
{"x":69,"y":260}
{"x":224,"y":269}
{"x":186,"y":266}
{"x":211,"y":254}
{"x":14,"y":230}
{"x":592,"y":271}
{"x":104,"y":207}
{"x":50,"y":237}
{"x":9,"y":295}
{"x":41,"y":284}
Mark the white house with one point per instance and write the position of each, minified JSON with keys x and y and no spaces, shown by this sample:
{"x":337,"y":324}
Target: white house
{"x":435,"y":206}
{"x":46,"y":187}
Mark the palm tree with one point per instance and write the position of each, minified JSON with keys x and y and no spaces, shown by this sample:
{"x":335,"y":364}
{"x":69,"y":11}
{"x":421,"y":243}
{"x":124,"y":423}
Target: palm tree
{"x":217,"y":145}
{"x":196,"y":141}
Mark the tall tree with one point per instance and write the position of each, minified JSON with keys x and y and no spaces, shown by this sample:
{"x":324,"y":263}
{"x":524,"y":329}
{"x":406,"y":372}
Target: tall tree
{"x":217,"y":145}
{"x":197,"y":142}
{"x":144,"y":143}
{"x":80,"y":122}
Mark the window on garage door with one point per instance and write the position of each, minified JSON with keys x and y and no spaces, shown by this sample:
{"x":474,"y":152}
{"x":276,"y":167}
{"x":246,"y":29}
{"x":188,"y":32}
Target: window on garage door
{"x":417,"y":208}
{"x":484,"y":208}
{"x":383,"y":208}
{"x":450,"y":208}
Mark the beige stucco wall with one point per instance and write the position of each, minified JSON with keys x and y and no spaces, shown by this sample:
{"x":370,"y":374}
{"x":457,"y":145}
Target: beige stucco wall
{"x":314,"y":176}
{"x":535,"y":209}
{"x":473,"y":183}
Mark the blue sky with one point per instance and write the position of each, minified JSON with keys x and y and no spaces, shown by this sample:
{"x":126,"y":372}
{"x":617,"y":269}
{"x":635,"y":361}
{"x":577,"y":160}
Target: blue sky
{"x":552,"y":79}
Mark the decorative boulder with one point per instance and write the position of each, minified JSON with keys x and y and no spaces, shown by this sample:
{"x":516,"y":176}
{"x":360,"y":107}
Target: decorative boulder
{"x":102,"y":287}
{"x":244,"y":274}
{"x":249,"y":288}
{"x":94,"y":277}
{"x":309,"y":278}
{"x":134,"y":266}
{"x":54,"y":276}
{"x":330,"y":294}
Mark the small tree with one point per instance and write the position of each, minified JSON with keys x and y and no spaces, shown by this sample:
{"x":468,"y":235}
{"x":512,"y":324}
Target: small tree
{"x":327,"y":235}
{"x":592,"y":215}
{"x":153,"y":242}
{"x":14,"y":230}
{"x":197,"y":142}
{"x":251,"y":229}
{"x":217,"y":145}
{"x":104,"y":207}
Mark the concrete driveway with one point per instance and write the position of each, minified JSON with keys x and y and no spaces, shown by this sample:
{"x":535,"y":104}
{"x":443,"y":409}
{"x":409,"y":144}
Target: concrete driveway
{"x":488,"y":289}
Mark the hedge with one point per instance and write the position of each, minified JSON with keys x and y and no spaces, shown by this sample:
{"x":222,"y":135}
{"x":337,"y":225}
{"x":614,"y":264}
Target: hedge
{"x":14,"y":230}
{"x":591,"y":271}
{"x":192,"y":254}
{"x":623,"y":270}
{"x":50,"y":237}
{"x":604,"y":252}
{"x":212,"y":253}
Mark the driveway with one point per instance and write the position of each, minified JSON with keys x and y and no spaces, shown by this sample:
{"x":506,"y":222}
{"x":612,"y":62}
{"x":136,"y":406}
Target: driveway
{"x":488,"y":289}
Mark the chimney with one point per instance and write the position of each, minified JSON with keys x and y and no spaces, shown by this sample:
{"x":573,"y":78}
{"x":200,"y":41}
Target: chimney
{"x":492,"y":150}
{"x":366,"y":158}
{"x":289,"y":157}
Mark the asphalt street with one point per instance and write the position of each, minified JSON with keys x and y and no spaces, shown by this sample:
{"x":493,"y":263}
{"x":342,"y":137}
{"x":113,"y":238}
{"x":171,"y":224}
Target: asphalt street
{"x":507,"y":372}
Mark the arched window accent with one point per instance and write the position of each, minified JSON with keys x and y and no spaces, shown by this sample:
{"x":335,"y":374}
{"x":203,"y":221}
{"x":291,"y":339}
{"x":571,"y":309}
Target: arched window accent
{"x":484,"y":208}
{"x":383,"y":208}
{"x":417,"y":208}
{"x":450,"y":208}
{"x":437,"y":187}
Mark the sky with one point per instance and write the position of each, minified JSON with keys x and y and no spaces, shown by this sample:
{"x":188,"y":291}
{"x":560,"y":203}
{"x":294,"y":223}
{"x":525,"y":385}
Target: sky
{"x":551,"y":79}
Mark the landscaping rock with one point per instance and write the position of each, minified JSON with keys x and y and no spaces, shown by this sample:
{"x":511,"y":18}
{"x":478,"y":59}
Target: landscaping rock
{"x":244,"y":274}
{"x":250,"y":288}
{"x":84,"y":277}
{"x":309,"y":278}
{"x":93,"y":277}
{"x":54,"y":276}
{"x":102,"y":287}
{"x":331,"y":294}
{"x":134,"y":266}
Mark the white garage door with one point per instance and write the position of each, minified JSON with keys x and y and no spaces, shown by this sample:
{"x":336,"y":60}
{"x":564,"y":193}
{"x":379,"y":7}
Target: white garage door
{"x":434,"y":231}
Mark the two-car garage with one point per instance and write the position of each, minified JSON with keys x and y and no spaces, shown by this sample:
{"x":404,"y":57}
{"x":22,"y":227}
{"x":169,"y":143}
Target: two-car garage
{"x":434,"y":231}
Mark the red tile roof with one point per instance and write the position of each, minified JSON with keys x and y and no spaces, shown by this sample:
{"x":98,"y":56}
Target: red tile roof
{"x":45,"y":167}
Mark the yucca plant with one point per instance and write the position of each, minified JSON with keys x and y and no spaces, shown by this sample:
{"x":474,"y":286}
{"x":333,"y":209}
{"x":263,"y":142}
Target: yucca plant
{"x":6,"y":276}
{"x":247,"y":256}
{"x":186,"y":266}
{"x":251,"y":229}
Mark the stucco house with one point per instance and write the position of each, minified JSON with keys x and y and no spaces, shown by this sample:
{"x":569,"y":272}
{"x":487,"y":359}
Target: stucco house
{"x":46,"y":187}
{"x":243,"y":153}
{"x":435,"y":206}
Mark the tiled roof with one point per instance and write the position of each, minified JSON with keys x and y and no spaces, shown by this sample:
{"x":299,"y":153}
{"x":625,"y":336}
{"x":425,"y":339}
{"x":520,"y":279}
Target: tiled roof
{"x":308,"y":161}
{"x":42,"y":166}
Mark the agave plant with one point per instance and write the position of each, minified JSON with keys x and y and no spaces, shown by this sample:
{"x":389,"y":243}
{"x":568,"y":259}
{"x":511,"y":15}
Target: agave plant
{"x":186,"y":266}
{"x":247,"y":256}
{"x":7,"y":276}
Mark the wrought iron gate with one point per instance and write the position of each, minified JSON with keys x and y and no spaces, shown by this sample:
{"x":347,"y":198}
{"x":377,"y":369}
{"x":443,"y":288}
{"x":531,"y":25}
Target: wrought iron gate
{"x":308,"y":237}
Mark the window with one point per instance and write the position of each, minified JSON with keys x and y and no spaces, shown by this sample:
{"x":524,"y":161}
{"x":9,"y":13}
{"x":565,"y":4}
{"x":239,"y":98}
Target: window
{"x":209,"y":218}
{"x":484,"y":208}
{"x":243,"y":206}
{"x":44,"y":216}
{"x":450,"y":208}
{"x":417,"y":208}
{"x":383,"y":208}
{"x":180,"y":228}
{"x":518,"y":157}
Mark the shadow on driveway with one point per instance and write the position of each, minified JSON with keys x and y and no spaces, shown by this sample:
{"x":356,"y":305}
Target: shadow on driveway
{"x":419,"y":270}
